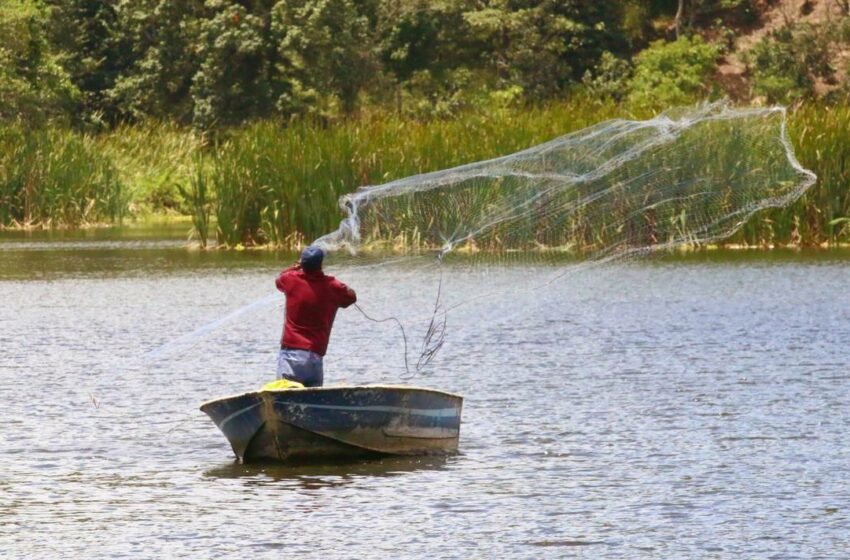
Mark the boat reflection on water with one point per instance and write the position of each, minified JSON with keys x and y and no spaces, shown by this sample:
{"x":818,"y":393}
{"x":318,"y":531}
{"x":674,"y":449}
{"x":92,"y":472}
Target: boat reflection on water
{"x":321,"y":474}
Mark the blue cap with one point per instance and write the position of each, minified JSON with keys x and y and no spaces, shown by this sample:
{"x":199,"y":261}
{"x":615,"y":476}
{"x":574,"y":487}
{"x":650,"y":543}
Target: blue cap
{"x":311,"y":258}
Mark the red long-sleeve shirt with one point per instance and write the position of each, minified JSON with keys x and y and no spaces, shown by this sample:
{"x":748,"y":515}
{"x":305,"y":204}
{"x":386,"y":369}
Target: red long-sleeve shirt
{"x":312,"y":299}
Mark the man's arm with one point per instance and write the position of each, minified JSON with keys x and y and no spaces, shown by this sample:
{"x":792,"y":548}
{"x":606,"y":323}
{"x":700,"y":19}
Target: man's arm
{"x":345,"y":294}
{"x":283,"y":279}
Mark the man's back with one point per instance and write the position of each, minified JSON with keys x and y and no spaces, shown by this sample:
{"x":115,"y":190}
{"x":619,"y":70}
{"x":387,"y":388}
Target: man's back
{"x":312,"y":300}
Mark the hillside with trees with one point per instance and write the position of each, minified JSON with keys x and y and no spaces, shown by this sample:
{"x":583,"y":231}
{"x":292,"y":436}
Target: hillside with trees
{"x":220,"y":62}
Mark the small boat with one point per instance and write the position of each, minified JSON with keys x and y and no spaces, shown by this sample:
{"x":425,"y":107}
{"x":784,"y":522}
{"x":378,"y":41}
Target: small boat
{"x":344,"y":422}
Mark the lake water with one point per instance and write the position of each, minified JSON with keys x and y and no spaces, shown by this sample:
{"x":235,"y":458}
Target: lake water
{"x":690,"y":408}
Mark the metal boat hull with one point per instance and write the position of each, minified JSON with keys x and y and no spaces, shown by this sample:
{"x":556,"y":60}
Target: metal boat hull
{"x":325,"y":422}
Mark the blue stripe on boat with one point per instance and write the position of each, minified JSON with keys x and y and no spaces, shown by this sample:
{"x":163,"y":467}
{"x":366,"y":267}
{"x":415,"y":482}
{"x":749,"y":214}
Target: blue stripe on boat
{"x":431,"y":412}
{"x":428,"y":412}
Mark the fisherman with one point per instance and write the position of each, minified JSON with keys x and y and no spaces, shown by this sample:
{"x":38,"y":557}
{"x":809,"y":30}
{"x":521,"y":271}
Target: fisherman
{"x":312,"y":299}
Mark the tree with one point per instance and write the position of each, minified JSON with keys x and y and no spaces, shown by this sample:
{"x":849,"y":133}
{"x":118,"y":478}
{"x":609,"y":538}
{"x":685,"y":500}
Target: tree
{"x":677,"y":20}
{"x":325,"y":51}
{"x":417,"y":35}
{"x":164,"y":38}
{"x":410,"y":38}
{"x":543,"y":45}
{"x":95,"y":53}
{"x":787,"y":63}
{"x":33,"y":84}
{"x":236,"y":75}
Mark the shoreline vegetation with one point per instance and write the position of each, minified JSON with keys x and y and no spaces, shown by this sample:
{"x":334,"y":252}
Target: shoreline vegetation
{"x":276,"y":184}
{"x":253,"y":118}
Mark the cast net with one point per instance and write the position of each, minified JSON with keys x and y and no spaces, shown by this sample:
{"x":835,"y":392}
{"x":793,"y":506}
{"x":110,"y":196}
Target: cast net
{"x":619,"y":188}
{"x":616,"y":190}
{"x":422,"y":248}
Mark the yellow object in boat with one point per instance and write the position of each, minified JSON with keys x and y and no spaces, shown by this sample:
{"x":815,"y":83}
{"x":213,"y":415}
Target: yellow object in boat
{"x":281,"y":385}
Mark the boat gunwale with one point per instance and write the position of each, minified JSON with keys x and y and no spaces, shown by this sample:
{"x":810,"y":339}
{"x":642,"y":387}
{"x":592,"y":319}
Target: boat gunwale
{"x":332,"y":388}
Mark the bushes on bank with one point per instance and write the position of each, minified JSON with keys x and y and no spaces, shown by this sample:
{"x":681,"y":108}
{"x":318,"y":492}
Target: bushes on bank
{"x":664,"y":74}
{"x":787,"y":63}
{"x":672,"y":73}
{"x":790,"y":62}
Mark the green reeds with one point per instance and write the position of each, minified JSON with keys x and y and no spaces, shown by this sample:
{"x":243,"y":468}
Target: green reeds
{"x":198,"y":197}
{"x":821,"y":136}
{"x":53,"y":177}
{"x":154,"y":159}
{"x":279,"y":183}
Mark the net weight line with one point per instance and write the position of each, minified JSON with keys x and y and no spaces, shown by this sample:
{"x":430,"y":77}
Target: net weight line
{"x":432,"y":341}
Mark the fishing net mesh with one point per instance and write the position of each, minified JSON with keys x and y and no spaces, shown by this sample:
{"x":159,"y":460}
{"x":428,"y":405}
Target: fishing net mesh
{"x":616,"y":190}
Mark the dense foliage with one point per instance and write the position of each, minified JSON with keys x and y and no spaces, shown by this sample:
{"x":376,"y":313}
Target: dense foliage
{"x":215,"y":63}
{"x":220,"y":62}
{"x":268,"y":183}
{"x":33,"y":83}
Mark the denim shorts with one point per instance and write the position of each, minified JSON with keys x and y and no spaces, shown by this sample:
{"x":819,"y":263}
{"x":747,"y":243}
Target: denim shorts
{"x":302,"y":366}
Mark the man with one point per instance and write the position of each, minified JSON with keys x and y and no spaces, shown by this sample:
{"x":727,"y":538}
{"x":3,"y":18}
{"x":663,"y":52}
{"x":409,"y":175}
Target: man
{"x":312,"y":299}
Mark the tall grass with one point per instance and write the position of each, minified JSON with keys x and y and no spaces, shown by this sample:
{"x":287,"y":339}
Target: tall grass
{"x":156,"y":160}
{"x":54,"y":178}
{"x":822,"y":140}
{"x":281,"y":184}
{"x":198,"y":196}
{"x":278,"y":183}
